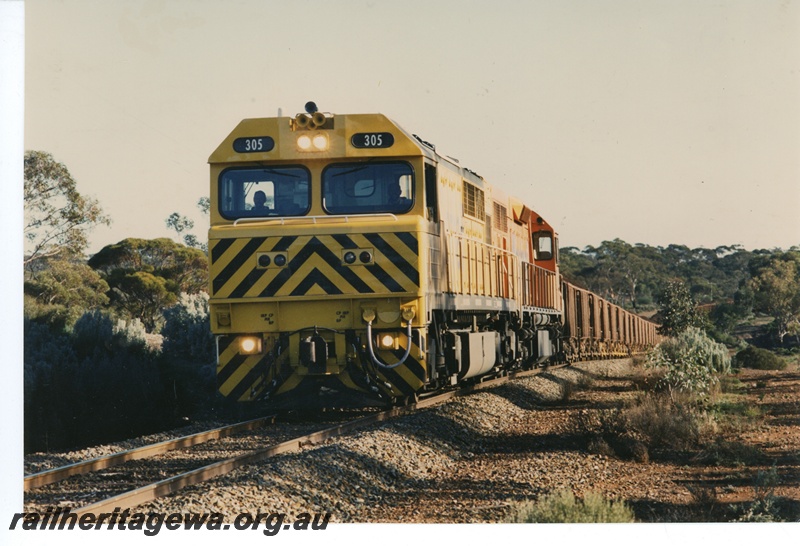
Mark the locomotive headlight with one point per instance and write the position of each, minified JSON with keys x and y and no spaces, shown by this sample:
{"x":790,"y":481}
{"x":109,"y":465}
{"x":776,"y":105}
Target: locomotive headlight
{"x":313,"y":143}
{"x":249,"y":345}
{"x":320,"y":142}
{"x":304,"y":142}
{"x":386,"y":341}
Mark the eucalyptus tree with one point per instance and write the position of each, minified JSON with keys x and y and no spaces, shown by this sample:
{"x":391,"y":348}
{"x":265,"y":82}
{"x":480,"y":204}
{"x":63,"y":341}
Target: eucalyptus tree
{"x":57,"y":216}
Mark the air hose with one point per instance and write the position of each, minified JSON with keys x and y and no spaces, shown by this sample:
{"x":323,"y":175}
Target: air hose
{"x":376,"y":360}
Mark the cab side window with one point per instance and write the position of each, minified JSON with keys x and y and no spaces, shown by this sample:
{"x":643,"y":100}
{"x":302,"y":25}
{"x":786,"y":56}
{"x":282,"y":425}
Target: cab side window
{"x":543,"y":245}
{"x":430,"y":193}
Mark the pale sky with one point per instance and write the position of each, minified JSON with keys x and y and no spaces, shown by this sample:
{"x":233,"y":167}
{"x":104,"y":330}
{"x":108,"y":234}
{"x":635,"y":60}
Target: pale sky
{"x":656,"y":122}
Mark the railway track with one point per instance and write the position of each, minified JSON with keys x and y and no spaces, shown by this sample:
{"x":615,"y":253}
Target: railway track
{"x":95,"y":487}
{"x":39,"y":479}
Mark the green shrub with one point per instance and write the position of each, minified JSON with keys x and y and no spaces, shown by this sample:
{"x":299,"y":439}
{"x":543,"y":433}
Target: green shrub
{"x":563,"y":507}
{"x":58,"y":291}
{"x":744,"y":410}
{"x":653,"y":423}
{"x":730,"y":384}
{"x":647,"y":379}
{"x":764,"y":507}
{"x":188,"y":357}
{"x":98,"y":384}
{"x":97,"y":329}
{"x":729,"y":453}
{"x":57,"y":317}
{"x":48,"y":360}
{"x":663,"y":422}
{"x":691,"y":361}
{"x":759,"y":359}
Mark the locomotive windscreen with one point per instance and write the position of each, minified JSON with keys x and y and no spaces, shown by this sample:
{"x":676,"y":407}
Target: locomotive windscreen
{"x":277,"y":191}
{"x":353,"y":188}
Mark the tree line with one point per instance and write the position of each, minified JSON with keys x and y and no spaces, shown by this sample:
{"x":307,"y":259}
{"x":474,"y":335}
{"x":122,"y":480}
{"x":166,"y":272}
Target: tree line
{"x":119,"y":343}
{"x":116,"y":344}
{"x":727,"y":285}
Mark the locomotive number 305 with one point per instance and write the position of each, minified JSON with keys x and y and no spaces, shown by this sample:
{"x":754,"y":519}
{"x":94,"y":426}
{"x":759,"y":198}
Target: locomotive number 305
{"x":372,"y":140}
{"x":253,"y":144}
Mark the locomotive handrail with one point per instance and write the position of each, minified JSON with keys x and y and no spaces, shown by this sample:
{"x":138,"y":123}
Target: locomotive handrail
{"x":376,"y":360}
{"x":460,"y":280}
{"x":504,"y":290}
{"x":335,"y":217}
{"x":460,"y":236}
{"x":540,"y":286}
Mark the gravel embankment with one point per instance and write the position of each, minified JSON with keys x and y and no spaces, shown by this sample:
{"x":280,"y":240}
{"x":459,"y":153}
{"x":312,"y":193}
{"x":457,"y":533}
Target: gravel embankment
{"x":85,"y":489}
{"x":466,"y":461}
{"x":474,"y":458}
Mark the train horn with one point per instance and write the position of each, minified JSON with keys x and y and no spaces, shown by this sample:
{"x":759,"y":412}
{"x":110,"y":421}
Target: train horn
{"x":319,"y":119}
{"x":302,"y":120}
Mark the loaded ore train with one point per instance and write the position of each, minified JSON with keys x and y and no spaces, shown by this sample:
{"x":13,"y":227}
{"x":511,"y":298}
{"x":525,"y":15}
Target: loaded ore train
{"x":348,"y":254}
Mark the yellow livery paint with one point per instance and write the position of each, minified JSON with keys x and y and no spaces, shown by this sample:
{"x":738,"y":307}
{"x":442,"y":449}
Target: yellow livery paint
{"x":299,"y":282}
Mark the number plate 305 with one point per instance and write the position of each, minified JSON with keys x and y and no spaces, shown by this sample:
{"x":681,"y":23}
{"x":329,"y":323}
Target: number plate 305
{"x":372,"y":140}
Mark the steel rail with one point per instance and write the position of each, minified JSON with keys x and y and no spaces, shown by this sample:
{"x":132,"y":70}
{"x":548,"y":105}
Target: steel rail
{"x":45,"y":477}
{"x":136,"y":497}
{"x":150,"y":492}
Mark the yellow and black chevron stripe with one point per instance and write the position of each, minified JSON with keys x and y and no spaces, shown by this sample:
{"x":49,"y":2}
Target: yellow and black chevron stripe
{"x":245,"y":378}
{"x":412,"y":375}
{"x":242,"y":377}
{"x":314,"y":266}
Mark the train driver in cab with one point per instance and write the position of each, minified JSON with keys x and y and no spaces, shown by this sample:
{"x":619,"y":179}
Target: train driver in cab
{"x":260,"y":203}
{"x":395,"y":200}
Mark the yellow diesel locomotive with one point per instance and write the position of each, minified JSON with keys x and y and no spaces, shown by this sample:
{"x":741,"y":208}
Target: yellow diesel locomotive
{"x":348,"y":254}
